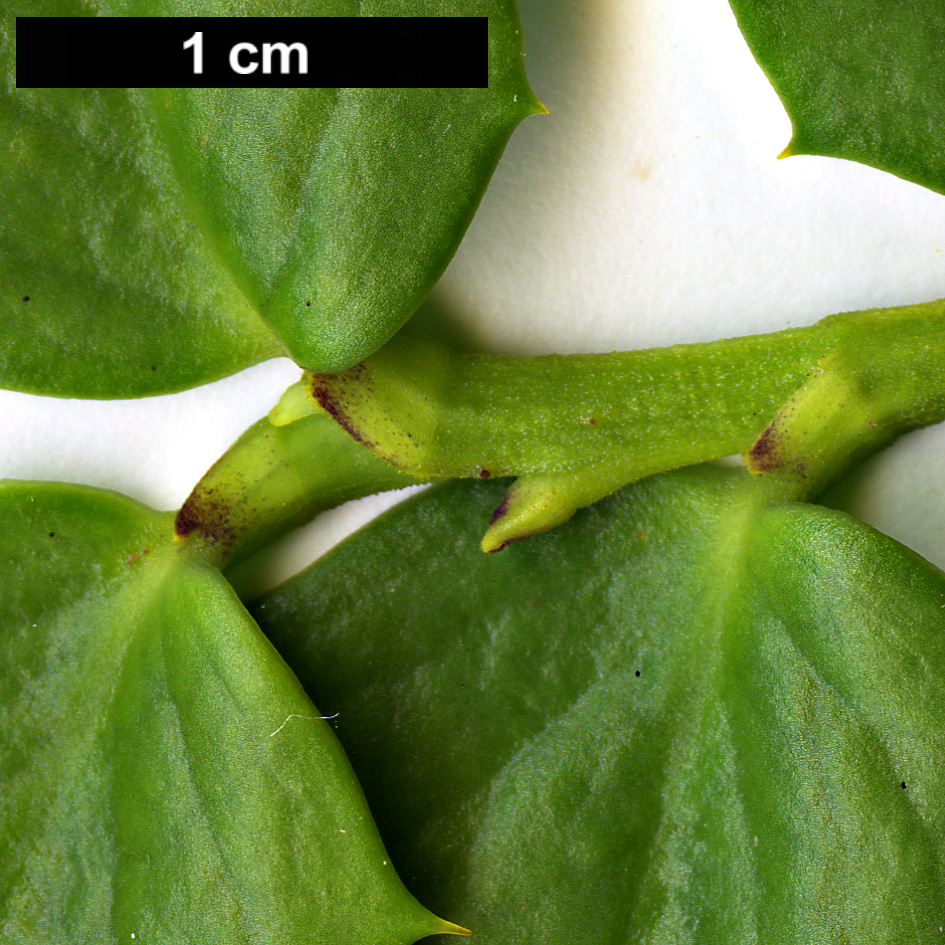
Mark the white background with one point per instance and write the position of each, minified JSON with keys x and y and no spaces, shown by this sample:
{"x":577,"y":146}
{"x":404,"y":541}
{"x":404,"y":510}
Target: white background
{"x":646,"y":209}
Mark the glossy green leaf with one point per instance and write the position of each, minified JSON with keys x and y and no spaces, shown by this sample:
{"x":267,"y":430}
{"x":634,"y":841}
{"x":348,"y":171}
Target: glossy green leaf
{"x":154,"y":239}
{"x":689,"y":715}
{"x":163,"y":777}
{"x":858,"y":78}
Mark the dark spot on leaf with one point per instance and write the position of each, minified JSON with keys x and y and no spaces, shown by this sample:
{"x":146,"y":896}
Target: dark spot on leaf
{"x":153,"y":367}
{"x":207,"y":516}
{"x":500,"y":509}
{"x":592,"y":421}
{"x":510,"y":541}
{"x":903,"y":785}
{"x":484,"y":474}
{"x":324,"y":393}
{"x":308,"y":303}
{"x":638,"y":672}
{"x":762,"y":448}
{"x":763,"y":455}
{"x":26,"y":298}
{"x":133,"y":558}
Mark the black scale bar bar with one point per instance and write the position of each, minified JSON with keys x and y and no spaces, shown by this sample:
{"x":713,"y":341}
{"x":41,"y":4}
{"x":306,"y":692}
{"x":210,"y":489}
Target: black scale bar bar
{"x":252,"y":52}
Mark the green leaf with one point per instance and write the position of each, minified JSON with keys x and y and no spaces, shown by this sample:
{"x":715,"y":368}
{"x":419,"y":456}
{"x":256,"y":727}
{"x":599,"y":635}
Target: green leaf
{"x":164,"y":777}
{"x":858,"y":79}
{"x":685,"y":716}
{"x":167,"y":237}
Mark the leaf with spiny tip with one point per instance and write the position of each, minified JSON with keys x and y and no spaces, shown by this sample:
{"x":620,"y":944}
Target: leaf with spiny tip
{"x":165,"y":778}
{"x":168,"y":237}
{"x":857,"y":79}
{"x":686,"y":715}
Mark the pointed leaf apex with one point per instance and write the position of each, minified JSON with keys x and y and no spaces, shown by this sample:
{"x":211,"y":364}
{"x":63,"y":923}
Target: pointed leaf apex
{"x":450,"y":928}
{"x":856,"y":84}
{"x":788,"y":151}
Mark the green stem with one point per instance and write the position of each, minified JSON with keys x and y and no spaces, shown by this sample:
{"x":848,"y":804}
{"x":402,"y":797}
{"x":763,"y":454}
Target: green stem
{"x":577,"y":427}
{"x":277,"y":476}
{"x":858,"y":399}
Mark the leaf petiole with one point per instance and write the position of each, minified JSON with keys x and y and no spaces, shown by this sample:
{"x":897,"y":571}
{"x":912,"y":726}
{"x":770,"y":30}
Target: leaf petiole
{"x":276,"y":477}
{"x":575,"y":428}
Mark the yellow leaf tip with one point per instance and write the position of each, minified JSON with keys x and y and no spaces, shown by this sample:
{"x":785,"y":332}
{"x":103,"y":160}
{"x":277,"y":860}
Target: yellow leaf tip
{"x":451,"y":928}
{"x":531,"y":103}
{"x":295,"y":403}
{"x":788,"y":151}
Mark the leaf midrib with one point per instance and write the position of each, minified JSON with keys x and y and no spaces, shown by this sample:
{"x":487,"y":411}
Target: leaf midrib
{"x":110,"y":672}
{"x":206,"y":230}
